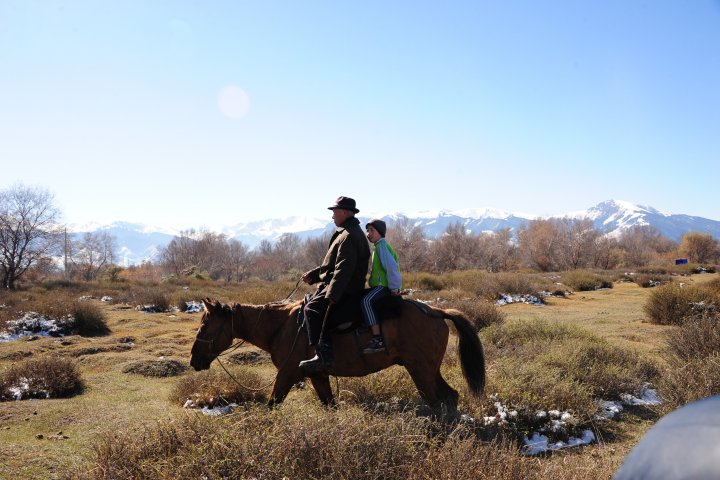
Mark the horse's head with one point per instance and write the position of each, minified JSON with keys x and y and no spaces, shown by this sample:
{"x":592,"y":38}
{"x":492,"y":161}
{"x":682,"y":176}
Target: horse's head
{"x":214,"y":335}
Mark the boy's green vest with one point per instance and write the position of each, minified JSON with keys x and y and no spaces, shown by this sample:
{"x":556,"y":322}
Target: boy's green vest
{"x":378,"y":275}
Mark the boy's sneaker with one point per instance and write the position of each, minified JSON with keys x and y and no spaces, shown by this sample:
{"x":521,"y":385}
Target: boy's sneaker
{"x":376,"y":345}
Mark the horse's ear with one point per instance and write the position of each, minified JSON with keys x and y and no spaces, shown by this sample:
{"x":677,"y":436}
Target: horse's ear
{"x":208,"y":304}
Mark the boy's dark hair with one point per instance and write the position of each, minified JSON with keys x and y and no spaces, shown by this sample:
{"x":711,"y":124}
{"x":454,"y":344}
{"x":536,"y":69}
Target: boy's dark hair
{"x":378,"y":225}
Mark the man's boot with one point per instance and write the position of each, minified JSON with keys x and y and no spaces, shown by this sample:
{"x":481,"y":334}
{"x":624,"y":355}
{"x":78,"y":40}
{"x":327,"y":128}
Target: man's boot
{"x":322,"y":361}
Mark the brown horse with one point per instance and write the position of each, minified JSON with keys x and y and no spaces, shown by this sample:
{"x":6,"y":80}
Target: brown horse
{"x":417,"y":340}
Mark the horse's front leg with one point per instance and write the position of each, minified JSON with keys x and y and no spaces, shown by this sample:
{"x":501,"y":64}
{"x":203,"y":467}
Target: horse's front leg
{"x":286,"y":378}
{"x":321,"y":384}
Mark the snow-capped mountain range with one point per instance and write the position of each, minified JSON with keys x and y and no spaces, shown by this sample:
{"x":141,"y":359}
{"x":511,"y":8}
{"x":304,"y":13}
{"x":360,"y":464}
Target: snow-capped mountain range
{"x":137,"y":243}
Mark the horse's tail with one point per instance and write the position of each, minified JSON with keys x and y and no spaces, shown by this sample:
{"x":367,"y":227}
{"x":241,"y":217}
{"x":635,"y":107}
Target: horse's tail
{"x":472,"y":358}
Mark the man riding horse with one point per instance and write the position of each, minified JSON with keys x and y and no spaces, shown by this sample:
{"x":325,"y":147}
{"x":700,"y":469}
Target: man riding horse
{"x":341,"y":276}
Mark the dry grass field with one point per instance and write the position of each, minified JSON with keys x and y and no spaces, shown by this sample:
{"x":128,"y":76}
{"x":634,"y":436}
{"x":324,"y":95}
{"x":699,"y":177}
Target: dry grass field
{"x":127,"y":422}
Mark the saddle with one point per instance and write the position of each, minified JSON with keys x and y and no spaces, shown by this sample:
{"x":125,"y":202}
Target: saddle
{"x":348,"y":316}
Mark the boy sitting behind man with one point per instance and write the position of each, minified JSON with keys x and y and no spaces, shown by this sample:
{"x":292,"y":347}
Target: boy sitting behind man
{"x":385,"y":279}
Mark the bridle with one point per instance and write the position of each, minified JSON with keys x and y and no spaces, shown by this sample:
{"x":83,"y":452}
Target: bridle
{"x":211,"y":342}
{"x":238,"y":344}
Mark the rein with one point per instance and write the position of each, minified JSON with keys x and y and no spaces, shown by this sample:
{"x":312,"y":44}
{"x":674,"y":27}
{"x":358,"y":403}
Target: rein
{"x":241,"y":342}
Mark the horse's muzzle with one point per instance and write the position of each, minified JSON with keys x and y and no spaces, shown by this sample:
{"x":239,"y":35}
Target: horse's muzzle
{"x":200,"y":362}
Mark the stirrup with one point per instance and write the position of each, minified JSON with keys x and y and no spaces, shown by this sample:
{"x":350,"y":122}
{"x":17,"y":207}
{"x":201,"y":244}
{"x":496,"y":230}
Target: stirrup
{"x":317,"y":364}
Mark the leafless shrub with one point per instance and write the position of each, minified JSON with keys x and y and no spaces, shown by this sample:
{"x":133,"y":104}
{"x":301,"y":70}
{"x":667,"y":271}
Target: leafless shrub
{"x":586,"y":280}
{"x":213,"y":387}
{"x":684,"y":382}
{"x":90,"y":320}
{"x":480,"y":311}
{"x":547,"y":365}
{"x":156,"y":368}
{"x":672,"y":304}
{"x":423,"y":281}
{"x":647,"y":280}
{"x":45,"y":377}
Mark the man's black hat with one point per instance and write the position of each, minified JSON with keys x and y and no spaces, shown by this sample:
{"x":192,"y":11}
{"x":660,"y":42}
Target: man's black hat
{"x":345,"y":203}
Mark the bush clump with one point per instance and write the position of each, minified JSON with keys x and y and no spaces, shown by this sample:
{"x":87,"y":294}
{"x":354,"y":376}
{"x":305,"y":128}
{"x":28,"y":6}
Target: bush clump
{"x":90,"y":320}
{"x":672,"y":304}
{"x":479,"y":311}
{"x":156,"y":368}
{"x":693,"y":361}
{"x":586,"y":281}
{"x":391,"y":389}
{"x":211,"y":388}
{"x":47,"y":377}
{"x":423,"y":281}
{"x":647,"y":280}
{"x":554,"y":366}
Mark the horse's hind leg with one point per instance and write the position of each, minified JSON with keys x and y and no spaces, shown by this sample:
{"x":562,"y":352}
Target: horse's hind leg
{"x":424,"y":376}
{"x":321,"y":384}
{"x":433,"y":387}
{"x":448,"y":396}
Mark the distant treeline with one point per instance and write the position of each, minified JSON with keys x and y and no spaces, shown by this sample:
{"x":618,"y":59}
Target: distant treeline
{"x":540,"y":245}
{"x":34,"y":245}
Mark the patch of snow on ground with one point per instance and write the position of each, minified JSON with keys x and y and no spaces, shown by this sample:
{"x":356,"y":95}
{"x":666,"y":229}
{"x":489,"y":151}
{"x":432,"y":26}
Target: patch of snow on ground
{"x":611,"y":409}
{"x":22,"y":389}
{"x":211,"y":411}
{"x":193,"y":306}
{"x":506,"y":299}
{"x":608,"y":410}
{"x":539,"y":443}
{"x":649,"y":396}
{"x":501,"y":417}
{"x":33,"y":323}
{"x":559,"y":424}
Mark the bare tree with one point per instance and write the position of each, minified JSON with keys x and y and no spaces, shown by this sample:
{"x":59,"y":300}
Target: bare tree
{"x":497,"y":250}
{"x":94,"y":252}
{"x":210,"y":254}
{"x":410,"y":243}
{"x":456,"y":249}
{"x":700,"y":248}
{"x":539,"y":242}
{"x":643,"y":243}
{"x":606,"y":254}
{"x":237,"y":261}
{"x":287,"y":251}
{"x":265,"y":265}
{"x":578,"y":243}
{"x":313,"y":251}
{"x":204,"y":251}
{"x":180,"y":253}
{"x":28,"y":230}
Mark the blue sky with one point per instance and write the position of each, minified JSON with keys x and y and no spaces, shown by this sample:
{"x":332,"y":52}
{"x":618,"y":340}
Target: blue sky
{"x":533,"y":107}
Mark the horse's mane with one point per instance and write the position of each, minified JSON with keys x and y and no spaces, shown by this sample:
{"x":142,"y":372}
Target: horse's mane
{"x":274,"y":305}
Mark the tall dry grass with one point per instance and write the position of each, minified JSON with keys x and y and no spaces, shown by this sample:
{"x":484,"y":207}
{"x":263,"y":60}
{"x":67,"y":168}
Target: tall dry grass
{"x":299,"y":441}
{"x":693,"y":361}
{"x":540,"y":365}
